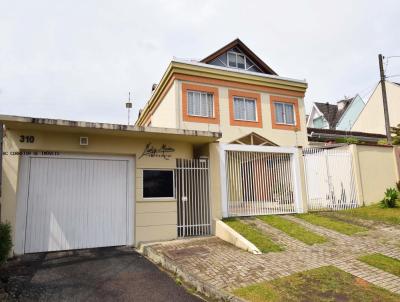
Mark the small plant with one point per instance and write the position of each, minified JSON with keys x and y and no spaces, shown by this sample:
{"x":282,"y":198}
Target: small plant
{"x":348,"y":140}
{"x":390,"y":199}
{"x":5,"y":241}
{"x":382,"y":142}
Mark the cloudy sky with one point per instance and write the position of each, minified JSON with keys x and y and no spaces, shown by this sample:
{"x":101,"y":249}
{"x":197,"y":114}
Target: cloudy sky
{"x":78,"y":59}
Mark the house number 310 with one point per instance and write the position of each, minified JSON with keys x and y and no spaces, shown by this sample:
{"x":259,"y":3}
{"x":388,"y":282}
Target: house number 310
{"x":27,"y":139}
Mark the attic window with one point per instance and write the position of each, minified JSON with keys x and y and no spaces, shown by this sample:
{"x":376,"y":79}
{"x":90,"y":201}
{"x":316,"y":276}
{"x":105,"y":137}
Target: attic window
{"x":236,"y":60}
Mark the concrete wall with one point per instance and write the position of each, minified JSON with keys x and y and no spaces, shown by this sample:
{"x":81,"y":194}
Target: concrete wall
{"x":371,"y":118}
{"x":155,"y":219}
{"x":376,"y":170}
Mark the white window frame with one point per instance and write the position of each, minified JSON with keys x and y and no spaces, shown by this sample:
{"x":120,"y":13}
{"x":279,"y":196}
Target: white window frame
{"x":245,"y":99}
{"x":236,"y":59}
{"x":284,"y":114}
{"x":169,"y":198}
{"x":200,"y":92}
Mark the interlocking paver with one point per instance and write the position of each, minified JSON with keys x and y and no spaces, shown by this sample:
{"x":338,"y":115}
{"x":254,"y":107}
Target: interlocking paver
{"x":227,"y":267}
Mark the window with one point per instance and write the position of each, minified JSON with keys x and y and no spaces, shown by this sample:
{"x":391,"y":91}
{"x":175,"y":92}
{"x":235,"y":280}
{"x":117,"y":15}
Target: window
{"x":284,"y":113}
{"x":244,"y":109}
{"x":236,"y":60}
{"x":158,"y":184}
{"x":200,"y":104}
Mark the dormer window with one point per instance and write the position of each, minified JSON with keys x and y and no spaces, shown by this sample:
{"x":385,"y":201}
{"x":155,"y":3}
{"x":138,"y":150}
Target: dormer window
{"x":236,"y":60}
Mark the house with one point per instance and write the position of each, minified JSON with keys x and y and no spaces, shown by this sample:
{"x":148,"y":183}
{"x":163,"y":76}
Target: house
{"x":339,"y":116}
{"x":231,"y":91}
{"x":218,"y":138}
{"x":371,"y":119}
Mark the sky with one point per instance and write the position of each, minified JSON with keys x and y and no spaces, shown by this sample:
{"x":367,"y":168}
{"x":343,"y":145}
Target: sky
{"x":78,"y":60}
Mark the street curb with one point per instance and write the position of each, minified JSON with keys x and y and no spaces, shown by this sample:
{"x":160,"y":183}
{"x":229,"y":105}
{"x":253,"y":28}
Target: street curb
{"x":204,"y":288}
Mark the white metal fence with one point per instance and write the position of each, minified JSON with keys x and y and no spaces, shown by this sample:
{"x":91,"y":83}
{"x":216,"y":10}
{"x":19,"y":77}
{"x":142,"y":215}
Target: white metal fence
{"x":330,"y":179}
{"x":259,"y":180}
{"x":192,"y":183}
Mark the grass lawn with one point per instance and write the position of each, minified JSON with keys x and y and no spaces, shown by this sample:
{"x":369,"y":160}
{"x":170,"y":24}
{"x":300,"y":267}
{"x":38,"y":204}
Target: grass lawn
{"x":261,"y":241}
{"x":323,"y":284}
{"x":376,"y":213}
{"x":293,"y":229}
{"x":382,"y":262}
{"x":331,"y":223}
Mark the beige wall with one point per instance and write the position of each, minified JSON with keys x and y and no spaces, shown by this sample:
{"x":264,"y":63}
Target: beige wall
{"x":163,"y":117}
{"x":155,"y":219}
{"x":371,"y":118}
{"x":377,"y":171}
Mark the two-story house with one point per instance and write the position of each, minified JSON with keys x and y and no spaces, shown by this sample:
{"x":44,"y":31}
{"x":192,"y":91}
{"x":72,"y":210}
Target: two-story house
{"x":231,"y":91}
{"x":73,"y":184}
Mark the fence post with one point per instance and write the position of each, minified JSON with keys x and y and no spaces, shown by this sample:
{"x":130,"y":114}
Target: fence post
{"x":222,"y":171}
{"x":357,"y":173}
{"x":300,"y":178}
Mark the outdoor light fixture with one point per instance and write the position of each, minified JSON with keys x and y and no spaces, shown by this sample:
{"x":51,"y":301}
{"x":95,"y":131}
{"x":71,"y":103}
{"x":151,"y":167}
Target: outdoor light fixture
{"x":83,"y":141}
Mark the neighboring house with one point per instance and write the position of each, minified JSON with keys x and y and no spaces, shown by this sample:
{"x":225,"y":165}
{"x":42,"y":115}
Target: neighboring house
{"x":231,"y":91}
{"x":371,"y":118}
{"x":339,"y":116}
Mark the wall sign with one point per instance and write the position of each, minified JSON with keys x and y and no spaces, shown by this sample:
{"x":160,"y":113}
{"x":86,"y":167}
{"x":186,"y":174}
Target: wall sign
{"x":30,"y":139}
{"x":164,"y":151}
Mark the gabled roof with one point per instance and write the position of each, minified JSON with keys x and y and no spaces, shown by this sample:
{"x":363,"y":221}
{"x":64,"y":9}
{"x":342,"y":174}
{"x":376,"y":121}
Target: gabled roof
{"x":247,"y":51}
{"x":253,"y":139}
{"x":331,"y":112}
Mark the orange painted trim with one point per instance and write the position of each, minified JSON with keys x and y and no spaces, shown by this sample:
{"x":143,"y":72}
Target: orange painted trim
{"x":217,"y":82}
{"x":237,"y":85}
{"x":281,"y":99}
{"x":245,"y":94}
{"x":199,"y":119}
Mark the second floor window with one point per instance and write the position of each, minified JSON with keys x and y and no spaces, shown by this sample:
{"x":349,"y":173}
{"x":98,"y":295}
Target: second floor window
{"x":200,"y":104}
{"x":284,"y":113}
{"x":244,"y":109}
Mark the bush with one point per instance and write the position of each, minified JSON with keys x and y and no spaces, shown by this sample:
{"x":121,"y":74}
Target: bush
{"x":348,"y":140}
{"x":398,"y":186}
{"x":390,"y":199}
{"x":5,"y":241}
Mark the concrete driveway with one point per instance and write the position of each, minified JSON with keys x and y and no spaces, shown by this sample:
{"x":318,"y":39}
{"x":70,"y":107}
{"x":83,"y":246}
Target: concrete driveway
{"x":105,"y":274}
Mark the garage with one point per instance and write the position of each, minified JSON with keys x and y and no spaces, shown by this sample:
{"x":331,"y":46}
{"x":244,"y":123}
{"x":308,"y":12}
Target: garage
{"x":74,"y":202}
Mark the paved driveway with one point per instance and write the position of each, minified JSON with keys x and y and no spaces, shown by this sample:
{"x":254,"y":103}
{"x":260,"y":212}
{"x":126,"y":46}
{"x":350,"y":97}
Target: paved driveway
{"x":106,"y":274}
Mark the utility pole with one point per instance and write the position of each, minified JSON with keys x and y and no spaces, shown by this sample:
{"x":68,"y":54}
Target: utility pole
{"x":384,"y":99}
{"x":128,"y":106}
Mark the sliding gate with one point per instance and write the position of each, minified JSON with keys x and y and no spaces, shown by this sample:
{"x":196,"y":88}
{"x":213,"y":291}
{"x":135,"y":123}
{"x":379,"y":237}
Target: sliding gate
{"x":330,"y":179}
{"x":192,"y":186}
{"x":260,"y":180}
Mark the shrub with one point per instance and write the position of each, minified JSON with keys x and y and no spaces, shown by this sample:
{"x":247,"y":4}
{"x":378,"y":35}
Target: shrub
{"x":390,"y":199}
{"x":398,"y":186}
{"x":348,"y":140}
{"x":5,"y":241}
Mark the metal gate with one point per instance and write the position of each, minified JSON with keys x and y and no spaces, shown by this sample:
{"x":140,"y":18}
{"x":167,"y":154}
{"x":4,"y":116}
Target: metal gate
{"x":192,"y":181}
{"x":260,"y":180}
{"x":330,"y":179}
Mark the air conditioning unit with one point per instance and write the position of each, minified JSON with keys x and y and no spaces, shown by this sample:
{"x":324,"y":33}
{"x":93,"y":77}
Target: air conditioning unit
{"x":83,"y":141}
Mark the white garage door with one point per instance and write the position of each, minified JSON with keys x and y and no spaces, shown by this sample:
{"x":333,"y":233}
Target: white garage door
{"x":76,"y":202}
